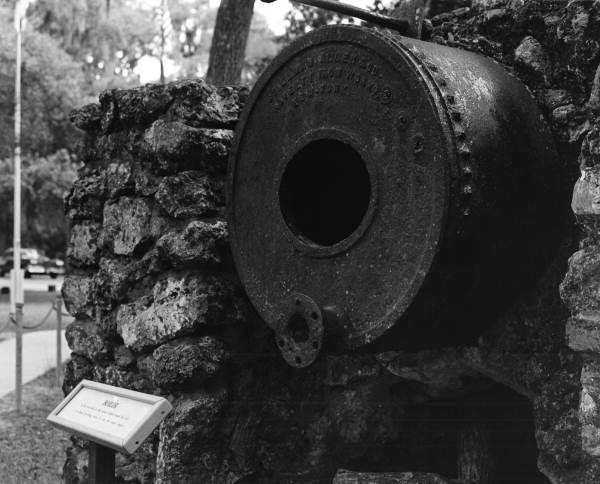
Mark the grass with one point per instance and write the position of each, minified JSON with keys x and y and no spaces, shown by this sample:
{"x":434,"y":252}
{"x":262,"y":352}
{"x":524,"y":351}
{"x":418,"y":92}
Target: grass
{"x":30,"y":449}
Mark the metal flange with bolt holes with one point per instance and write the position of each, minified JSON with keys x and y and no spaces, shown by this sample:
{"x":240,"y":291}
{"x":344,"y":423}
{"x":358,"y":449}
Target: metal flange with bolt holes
{"x":300,"y":333}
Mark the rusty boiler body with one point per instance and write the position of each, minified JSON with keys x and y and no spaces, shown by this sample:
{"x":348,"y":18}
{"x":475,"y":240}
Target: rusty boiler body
{"x":386,"y":192}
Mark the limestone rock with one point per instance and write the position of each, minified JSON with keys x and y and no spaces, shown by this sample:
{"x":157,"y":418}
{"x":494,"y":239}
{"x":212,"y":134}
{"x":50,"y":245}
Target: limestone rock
{"x":554,"y":98}
{"x":531,"y":55}
{"x":555,"y":408}
{"x":85,"y":200}
{"x":200,"y":105}
{"x":454,"y":13}
{"x":198,"y":243}
{"x":188,"y":442}
{"x":126,"y":224}
{"x":583,"y":332}
{"x":76,"y":369}
{"x":83,"y":244}
{"x":84,"y":340}
{"x":141,"y":466}
{"x":124,"y":358}
{"x":189,"y":194}
{"x":580,"y":289}
{"x":106,"y":321}
{"x":439,"y":371}
{"x":586,"y":195}
{"x":119,"y":179}
{"x":563,"y":114}
{"x":594,"y":99}
{"x":146,"y":182}
{"x":110,"y":111}
{"x":488,"y":4}
{"x":192,"y":101}
{"x":78,"y":295}
{"x":495,"y":14}
{"x":75,"y":469}
{"x":589,"y":157}
{"x":180,"y":147}
{"x":87,"y":117}
{"x":145,"y":364}
{"x":129,"y":225}
{"x":189,"y":361}
{"x":589,"y":413}
{"x":179,"y":306}
{"x":118,"y":277}
{"x":119,"y":377}
{"x":115,"y":148}
{"x":351,"y":477}
{"x":141,"y":105}
{"x":341,"y":370}
{"x":113,"y":280}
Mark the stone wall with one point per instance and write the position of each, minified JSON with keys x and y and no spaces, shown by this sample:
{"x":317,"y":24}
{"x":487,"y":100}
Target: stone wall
{"x":554,"y":47}
{"x":150,"y":280}
{"x":158,"y":307}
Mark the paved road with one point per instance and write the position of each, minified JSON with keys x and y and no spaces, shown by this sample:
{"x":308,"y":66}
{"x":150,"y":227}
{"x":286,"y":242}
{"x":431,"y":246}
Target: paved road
{"x":38,"y":284}
{"x":39,"y":355}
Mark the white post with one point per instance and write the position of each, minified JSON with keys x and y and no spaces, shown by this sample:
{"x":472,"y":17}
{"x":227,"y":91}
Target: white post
{"x":58,"y":338}
{"x":17,"y":215}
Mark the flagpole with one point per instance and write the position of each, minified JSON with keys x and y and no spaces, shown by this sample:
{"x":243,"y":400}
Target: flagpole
{"x":17,"y":220}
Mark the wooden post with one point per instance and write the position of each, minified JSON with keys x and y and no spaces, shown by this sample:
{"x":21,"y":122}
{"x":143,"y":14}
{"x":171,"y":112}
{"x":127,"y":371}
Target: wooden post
{"x":101,"y":464}
{"x":58,"y":338}
{"x":414,"y":12}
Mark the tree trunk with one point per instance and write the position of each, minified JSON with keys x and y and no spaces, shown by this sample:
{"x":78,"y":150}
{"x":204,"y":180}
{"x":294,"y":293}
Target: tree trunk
{"x":229,"y":42}
{"x":414,"y":11}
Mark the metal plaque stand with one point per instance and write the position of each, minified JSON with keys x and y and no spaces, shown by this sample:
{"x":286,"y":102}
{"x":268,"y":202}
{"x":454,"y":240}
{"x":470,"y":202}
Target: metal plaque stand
{"x":115,"y":420}
{"x":101,"y":464}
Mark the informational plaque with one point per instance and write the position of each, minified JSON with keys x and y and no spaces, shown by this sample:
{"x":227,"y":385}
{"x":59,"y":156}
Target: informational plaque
{"x":110,"y":416}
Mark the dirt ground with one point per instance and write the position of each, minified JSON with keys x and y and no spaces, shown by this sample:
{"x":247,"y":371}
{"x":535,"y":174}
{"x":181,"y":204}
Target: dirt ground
{"x":30,"y":449}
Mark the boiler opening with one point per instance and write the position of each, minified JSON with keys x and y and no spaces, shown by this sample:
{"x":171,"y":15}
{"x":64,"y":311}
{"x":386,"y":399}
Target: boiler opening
{"x":325,"y":192}
{"x":298,"y":328}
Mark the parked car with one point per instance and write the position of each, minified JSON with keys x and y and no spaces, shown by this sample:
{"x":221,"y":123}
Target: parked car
{"x":55,"y":268}
{"x":33,"y":262}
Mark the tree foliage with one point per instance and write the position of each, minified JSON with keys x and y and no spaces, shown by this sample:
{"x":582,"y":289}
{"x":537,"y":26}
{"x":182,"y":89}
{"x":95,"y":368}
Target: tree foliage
{"x":106,"y":42}
{"x":51,"y":87}
{"x":45,"y":180}
{"x":72,"y":50}
{"x":303,"y":18}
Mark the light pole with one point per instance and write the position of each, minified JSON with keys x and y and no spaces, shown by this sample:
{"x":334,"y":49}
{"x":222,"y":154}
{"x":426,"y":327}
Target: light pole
{"x":20,"y":9}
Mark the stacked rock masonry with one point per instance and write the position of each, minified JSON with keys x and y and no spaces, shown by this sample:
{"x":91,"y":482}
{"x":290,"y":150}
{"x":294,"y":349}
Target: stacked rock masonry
{"x":158,"y":307}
